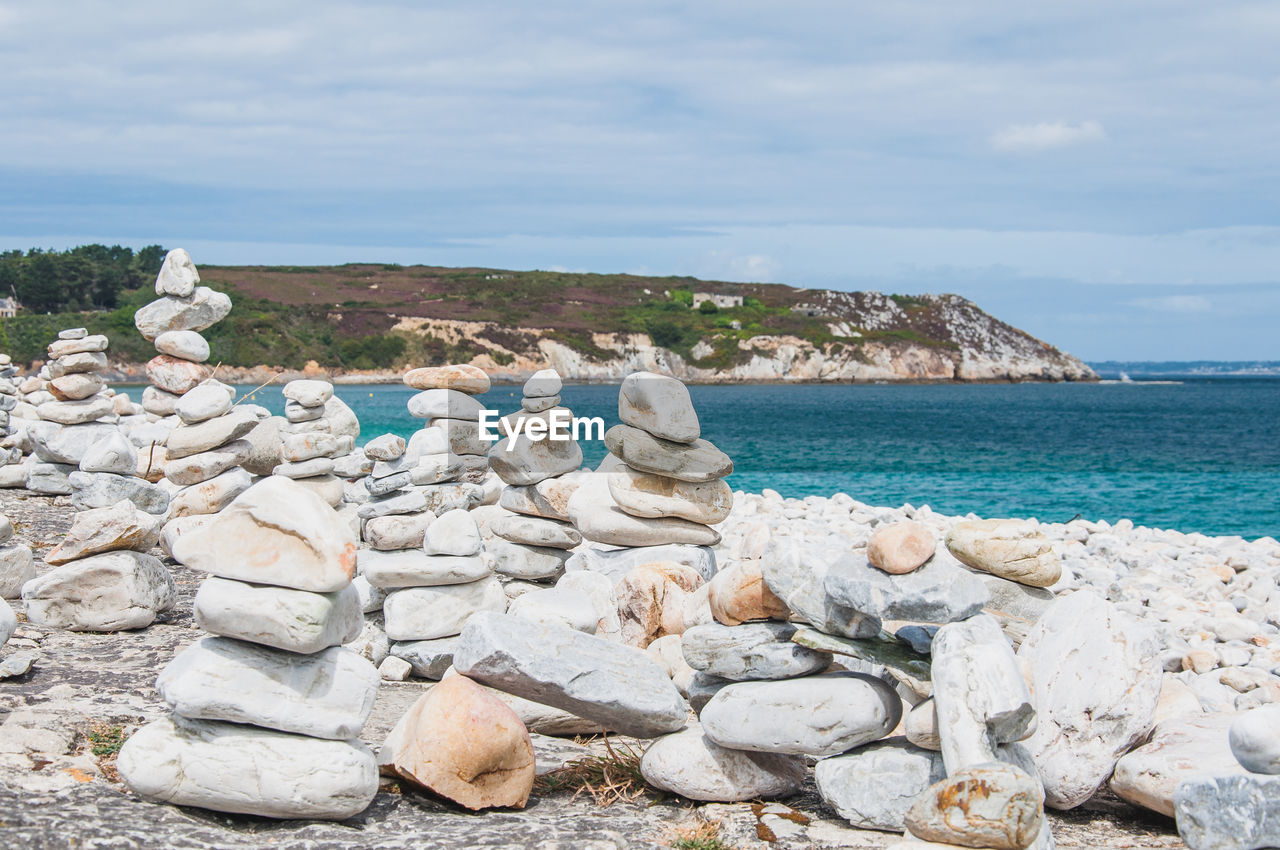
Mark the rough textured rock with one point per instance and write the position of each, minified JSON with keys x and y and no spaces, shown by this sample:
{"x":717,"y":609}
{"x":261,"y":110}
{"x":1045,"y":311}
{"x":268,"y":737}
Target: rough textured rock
{"x":651,"y":599}
{"x":521,"y":461}
{"x":938,"y":592}
{"x":278,"y":533}
{"x":464,"y":744}
{"x":614,"y":685}
{"x":901,"y":774}
{"x":422,"y":613}
{"x":644,"y":494}
{"x":1229,"y":812}
{"x":328,"y":694}
{"x":599,"y":519}
{"x":796,"y":572}
{"x":414,"y":568}
{"x":659,"y":405}
{"x":102,"y":593}
{"x":616,"y":563}
{"x":203,"y":309}
{"x":120,"y":526}
{"x":689,"y":764}
{"x":738,"y":593}
{"x":1012,"y":549}
{"x":992,"y":805}
{"x":230,"y":767}
{"x":1096,"y":682}
{"x":460,"y":377}
{"x":1180,"y":749}
{"x":813,"y":715}
{"x":104,"y":489}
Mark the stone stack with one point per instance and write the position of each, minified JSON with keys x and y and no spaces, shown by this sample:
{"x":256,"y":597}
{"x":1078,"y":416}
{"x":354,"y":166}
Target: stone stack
{"x":11,"y":473}
{"x":103,"y":579}
{"x":267,"y":710}
{"x":309,"y":447}
{"x":205,"y":453}
{"x":447,"y":402}
{"x":172,"y":323}
{"x":75,"y":410}
{"x":534,"y":538}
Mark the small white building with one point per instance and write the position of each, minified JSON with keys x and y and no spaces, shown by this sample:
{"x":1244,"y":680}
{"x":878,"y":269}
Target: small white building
{"x":724,"y":302}
{"x":8,"y":308}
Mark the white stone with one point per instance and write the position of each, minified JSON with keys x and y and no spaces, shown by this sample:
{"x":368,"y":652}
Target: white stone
{"x":415,"y":568}
{"x":103,"y":593}
{"x":186,"y":345}
{"x":308,"y":393}
{"x":453,"y":533}
{"x":1255,"y":739}
{"x":212,"y":496}
{"x":17,"y":567}
{"x":543,"y":383}
{"x":689,"y":764}
{"x":555,"y":606}
{"x":660,"y":405}
{"x":422,"y":613}
{"x":397,"y":531}
{"x":170,"y":313}
{"x":201,"y":403}
{"x":178,"y":275}
{"x":293,"y":620}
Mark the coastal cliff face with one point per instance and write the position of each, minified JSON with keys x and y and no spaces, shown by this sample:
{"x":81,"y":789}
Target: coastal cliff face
{"x":872,"y":337}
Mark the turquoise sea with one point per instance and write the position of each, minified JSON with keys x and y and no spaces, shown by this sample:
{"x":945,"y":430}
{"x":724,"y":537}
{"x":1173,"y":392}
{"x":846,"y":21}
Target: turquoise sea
{"x":1202,"y":455}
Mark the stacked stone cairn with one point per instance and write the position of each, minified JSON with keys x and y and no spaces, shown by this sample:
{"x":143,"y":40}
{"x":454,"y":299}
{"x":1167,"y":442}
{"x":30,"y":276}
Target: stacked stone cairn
{"x":75,"y":410}
{"x":12,"y":474}
{"x":267,"y":709}
{"x":308,"y":445}
{"x":447,"y":402}
{"x":205,"y":452}
{"x":172,"y":322}
{"x":534,"y":534}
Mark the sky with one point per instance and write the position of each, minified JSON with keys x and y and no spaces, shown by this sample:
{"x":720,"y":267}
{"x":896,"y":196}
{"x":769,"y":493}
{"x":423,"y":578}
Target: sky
{"x":1101,"y":174}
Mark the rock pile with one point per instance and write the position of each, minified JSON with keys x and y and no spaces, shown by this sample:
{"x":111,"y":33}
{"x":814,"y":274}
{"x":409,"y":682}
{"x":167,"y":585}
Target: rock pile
{"x":205,"y":452}
{"x":267,"y":710}
{"x":173,"y":322}
{"x":10,"y":452}
{"x":534,"y":534}
{"x":309,"y":445}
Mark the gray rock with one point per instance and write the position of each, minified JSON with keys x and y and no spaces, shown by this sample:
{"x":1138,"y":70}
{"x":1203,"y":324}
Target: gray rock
{"x":599,"y":519}
{"x":212,"y":496}
{"x":543,"y":383}
{"x":614,"y":685}
{"x":795,"y":570}
{"x":328,"y":694}
{"x":696,"y":461}
{"x":103,"y":489}
{"x":342,"y":419}
{"x":901,"y":774}
{"x":814,"y":715}
{"x":17,"y":664}
{"x":71,"y":364}
{"x":265,"y":438}
{"x":76,"y":412}
{"x":50,"y":479}
{"x":16,"y":569}
{"x":423,"y":613}
{"x":409,"y":502}
{"x":938,"y":592}
{"x":979,"y":694}
{"x":114,"y":453}
{"x":397,"y":531}
{"x":294,"y":620}
{"x":659,"y":405}
{"x":103,"y":593}
{"x":202,"y":309}
{"x":616,"y":563}
{"x":1229,"y":812}
{"x":385,"y":447}
{"x":521,"y":461}
{"x":534,"y":563}
{"x":444,"y":404}
{"x":428,"y":658}
{"x":415,"y":568}
{"x":52,"y":444}
{"x":1255,"y":739}
{"x":1096,"y":682}
{"x":535,"y":531}
{"x":750,"y":651}
{"x":529,"y":501}
{"x":556,"y":606}
{"x":230,"y":767}
{"x":694,"y":767}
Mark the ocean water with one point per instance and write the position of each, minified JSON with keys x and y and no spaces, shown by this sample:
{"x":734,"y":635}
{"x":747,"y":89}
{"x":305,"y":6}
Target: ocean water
{"x":1202,"y":455}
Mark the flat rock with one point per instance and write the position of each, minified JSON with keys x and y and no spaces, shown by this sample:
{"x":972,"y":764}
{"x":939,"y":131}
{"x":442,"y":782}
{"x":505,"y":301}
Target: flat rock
{"x":280,"y":617}
{"x":1096,"y":682}
{"x":102,"y":593}
{"x":104,"y":489}
{"x":521,"y":461}
{"x":187,"y":345}
{"x":230,"y":767}
{"x":902,"y":773}
{"x":937,"y":592}
{"x":76,"y":412}
{"x":644,"y":494}
{"x":201,"y":310}
{"x":444,"y":404}
{"x":415,"y":568}
{"x":75,"y":387}
{"x":1012,"y":549}
{"x":694,"y":462}
{"x":1229,"y":812}
{"x":308,"y":393}
{"x":193,"y":469}
{"x":533,"y":563}
{"x":422,"y":613}
{"x":464,"y":744}
{"x":397,"y":531}
{"x":52,"y":444}
{"x":212,"y":496}
{"x":71,"y":364}
{"x":690,"y":765}
{"x":535,"y":531}
{"x":750,"y":651}
{"x":461,"y":377}
{"x":659,"y":405}
{"x":99,"y":530}
{"x":328,"y":694}
{"x":599,"y":519}
{"x":594,"y":678}
{"x":277,"y":533}
{"x":1179,"y":750}
{"x":210,"y":434}
{"x":817,"y":716}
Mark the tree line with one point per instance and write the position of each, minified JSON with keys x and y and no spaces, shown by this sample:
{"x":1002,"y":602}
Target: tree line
{"x":88,"y":277}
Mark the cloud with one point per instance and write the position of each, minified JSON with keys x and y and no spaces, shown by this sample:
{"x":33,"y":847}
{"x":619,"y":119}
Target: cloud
{"x":1174,"y":303}
{"x":1047,"y":135}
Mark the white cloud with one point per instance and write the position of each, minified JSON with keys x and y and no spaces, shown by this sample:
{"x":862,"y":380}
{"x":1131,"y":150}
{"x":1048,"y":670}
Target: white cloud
{"x":1047,"y":135}
{"x":1175,"y":303}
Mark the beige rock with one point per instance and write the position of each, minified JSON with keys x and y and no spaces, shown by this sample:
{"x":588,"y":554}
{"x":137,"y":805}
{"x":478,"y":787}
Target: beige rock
{"x":397,"y":531}
{"x":990,"y":805}
{"x":175,"y":375}
{"x":651,"y":601}
{"x":460,"y":377}
{"x":645,"y":494}
{"x":276,"y":532}
{"x":901,"y":547}
{"x":209,"y":497}
{"x":1012,"y":549}
{"x":75,"y":387}
{"x":464,"y":744}
{"x":202,"y":466}
{"x":738,"y":594}
{"x":599,"y":519}
{"x":1181,"y":749}
{"x":151,"y":461}
{"x":121,"y":526}
{"x":192,"y":439}
{"x":921,"y":726}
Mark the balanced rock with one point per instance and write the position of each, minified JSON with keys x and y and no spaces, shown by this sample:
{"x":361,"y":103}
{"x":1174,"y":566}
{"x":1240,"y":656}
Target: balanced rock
{"x":1012,"y":549}
{"x":659,"y":405}
{"x":463,"y":378}
{"x":901,"y":547}
{"x":422,"y":613}
{"x":294,"y":620}
{"x":98,"y":530}
{"x":750,"y":651}
{"x":203,"y":309}
{"x":694,"y":462}
{"x":645,"y":494}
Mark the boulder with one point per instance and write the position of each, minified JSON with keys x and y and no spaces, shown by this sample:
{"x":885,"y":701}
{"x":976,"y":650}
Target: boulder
{"x":102,"y":593}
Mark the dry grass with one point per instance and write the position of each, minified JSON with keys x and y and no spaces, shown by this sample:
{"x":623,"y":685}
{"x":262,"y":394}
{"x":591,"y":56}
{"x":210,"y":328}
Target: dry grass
{"x":704,"y":835}
{"x":610,"y":778}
